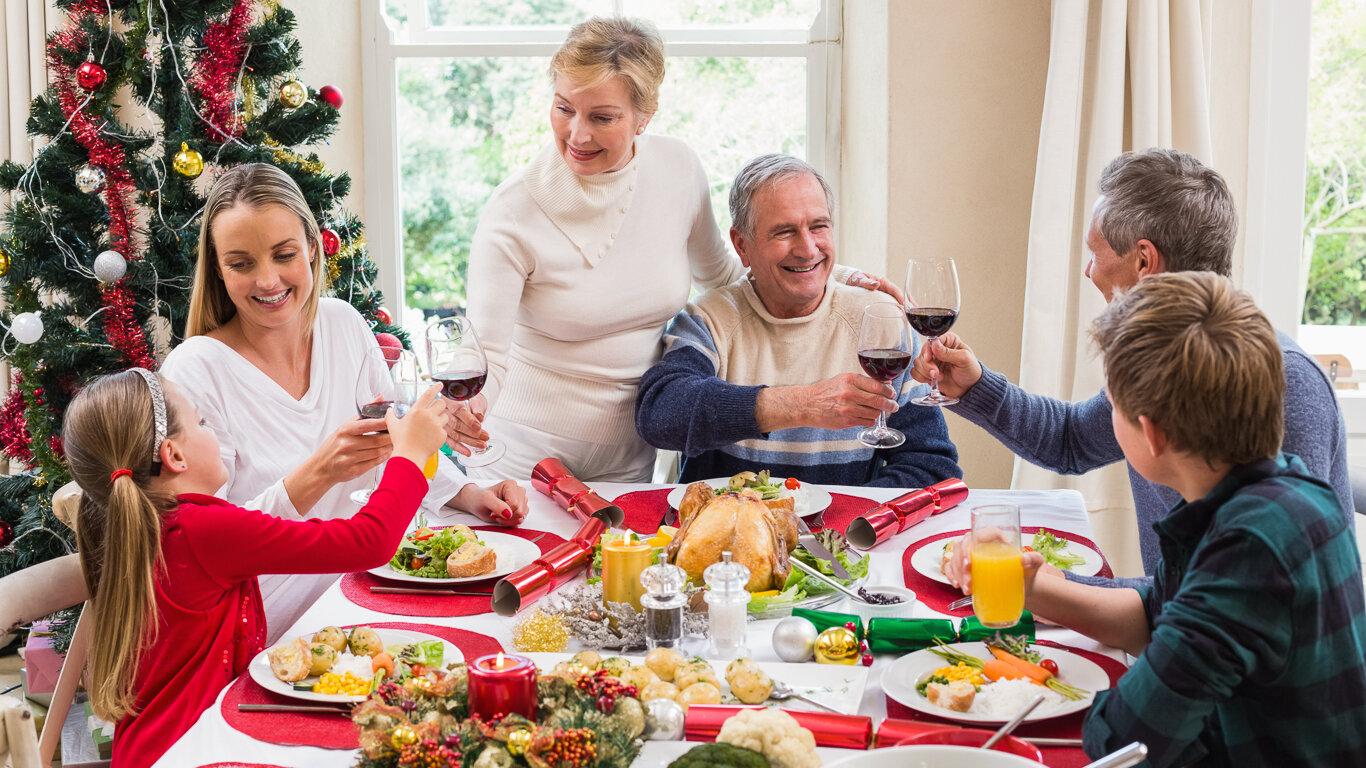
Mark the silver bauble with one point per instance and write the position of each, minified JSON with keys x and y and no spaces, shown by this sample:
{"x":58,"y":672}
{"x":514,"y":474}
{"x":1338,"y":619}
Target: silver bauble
{"x":794,"y":639}
{"x":27,"y":327}
{"x":110,"y":266}
{"x":89,"y":179}
{"x":663,"y":720}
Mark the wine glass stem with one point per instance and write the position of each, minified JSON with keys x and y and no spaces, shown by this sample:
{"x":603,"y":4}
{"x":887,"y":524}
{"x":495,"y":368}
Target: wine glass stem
{"x":934,"y":377}
{"x":881,"y":426}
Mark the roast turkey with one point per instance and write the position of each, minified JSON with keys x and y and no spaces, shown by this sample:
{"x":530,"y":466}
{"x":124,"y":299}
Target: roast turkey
{"x":738,"y":522}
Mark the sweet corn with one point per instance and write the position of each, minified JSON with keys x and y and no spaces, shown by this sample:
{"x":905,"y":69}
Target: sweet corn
{"x":961,"y":672}
{"x":345,"y":684}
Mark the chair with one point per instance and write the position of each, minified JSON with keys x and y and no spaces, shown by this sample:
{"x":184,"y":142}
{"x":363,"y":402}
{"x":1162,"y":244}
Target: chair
{"x":1338,"y":368}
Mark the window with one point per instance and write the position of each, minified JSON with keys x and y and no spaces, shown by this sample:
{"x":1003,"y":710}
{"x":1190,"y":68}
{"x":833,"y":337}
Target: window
{"x":458,"y":95}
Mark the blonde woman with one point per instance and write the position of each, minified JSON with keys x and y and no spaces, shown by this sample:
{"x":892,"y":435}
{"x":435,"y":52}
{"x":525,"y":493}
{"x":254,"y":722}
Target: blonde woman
{"x":581,"y":258}
{"x":273,"y":366}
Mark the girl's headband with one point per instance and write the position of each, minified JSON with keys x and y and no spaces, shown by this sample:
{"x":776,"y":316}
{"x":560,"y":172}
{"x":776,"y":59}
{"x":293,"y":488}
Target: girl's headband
{"x":158,"y":415}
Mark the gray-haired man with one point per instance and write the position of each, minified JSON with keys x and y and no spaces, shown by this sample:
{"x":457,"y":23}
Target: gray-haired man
{"x":1159,"y":211}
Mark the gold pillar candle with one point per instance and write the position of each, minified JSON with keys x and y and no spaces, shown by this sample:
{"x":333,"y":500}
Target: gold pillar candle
{"x":623,"y":560}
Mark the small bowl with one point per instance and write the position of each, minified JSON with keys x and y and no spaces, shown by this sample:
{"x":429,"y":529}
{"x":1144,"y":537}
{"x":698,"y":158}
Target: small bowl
{"x":865,"y":611}
{"x":975,"y":737}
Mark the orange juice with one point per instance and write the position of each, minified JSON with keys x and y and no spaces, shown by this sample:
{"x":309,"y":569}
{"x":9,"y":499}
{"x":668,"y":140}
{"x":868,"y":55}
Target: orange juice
{"x":997,"y":584}
{"x":429,"y":469}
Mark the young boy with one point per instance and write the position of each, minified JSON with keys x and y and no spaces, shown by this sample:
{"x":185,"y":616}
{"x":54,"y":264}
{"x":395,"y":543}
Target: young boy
{"x":1250,"y":640}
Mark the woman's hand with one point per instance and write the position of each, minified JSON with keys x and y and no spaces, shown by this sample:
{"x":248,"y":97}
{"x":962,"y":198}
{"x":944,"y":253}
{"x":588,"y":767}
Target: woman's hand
{"x":354,"y":449}
{"x":465,"y":432}
{"x":503,"y":503}
{"x":422,"y":429}
{"x":875,"y":283}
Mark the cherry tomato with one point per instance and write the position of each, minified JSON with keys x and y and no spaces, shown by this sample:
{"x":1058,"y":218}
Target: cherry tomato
{"x":1050,"y":665}
{"x":1027,"y":549}
{"x":792,"y":484}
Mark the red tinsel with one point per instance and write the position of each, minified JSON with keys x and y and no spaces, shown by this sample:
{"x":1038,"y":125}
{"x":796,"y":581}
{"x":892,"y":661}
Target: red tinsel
{"x":121,"y":328}
{"x":14,"y":438}
{"x":216,"y":69}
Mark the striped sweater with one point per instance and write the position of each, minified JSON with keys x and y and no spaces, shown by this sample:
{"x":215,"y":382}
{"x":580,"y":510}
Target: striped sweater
{"x":724,"y":348}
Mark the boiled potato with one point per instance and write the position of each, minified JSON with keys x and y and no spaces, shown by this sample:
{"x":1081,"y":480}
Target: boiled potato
{"x":695,"y":671}
{"x":639,"y":677}
{"x":323,"y":655}
{"x":663,"y":662}
{"x":332,"y":636}
{"x":590,"y":659}
{"x":699,"y":693}
{"x":364,"y":641}
{"x":659,"y":690}
{"x":616,"y":666}
{"x":749,"y":683}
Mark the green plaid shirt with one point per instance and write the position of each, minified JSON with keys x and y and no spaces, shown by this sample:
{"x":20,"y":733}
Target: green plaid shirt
{"x":1258,"y":631}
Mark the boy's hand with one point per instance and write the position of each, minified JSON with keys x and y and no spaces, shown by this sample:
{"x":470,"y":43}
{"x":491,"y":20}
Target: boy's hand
{"x":950,"y":361}
{"x":422,"y":430}
{"x":958,"y":569}
{"x":502,"y":504}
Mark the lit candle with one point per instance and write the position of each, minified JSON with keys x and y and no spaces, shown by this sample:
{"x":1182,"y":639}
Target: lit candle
{"x":623,"y":560}
{"x":501,"y":685}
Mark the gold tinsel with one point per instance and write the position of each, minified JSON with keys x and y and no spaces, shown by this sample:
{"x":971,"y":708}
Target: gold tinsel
{"x":541,"y":632}
{"x":283,"y":155}
{"x":271,"y":7}
{"x":248,"y":98}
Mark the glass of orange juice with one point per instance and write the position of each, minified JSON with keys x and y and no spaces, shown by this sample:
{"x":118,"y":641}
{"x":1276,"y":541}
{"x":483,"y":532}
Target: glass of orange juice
{"x":997,"y":565}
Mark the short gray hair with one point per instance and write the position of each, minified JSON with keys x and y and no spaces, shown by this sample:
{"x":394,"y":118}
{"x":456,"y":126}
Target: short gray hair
{"x":761,"y":172}
{"x":1173,"y":200}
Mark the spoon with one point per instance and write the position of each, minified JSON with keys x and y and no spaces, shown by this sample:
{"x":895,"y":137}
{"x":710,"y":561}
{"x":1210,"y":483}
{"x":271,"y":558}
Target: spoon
{"x":782,"y":692}
{"x":803,"y":567}
{"x":1014,"y":722}
{"x":1133,"y":754}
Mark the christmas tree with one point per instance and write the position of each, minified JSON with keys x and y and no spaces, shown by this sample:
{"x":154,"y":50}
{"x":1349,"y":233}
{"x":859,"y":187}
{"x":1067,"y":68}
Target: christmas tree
{"x":99,"y":243}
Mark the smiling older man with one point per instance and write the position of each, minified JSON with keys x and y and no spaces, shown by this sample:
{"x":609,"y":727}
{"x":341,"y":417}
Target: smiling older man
{"x":759,"y":374}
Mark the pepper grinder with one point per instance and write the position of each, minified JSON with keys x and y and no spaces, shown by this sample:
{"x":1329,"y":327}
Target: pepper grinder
{"x":727,"y":601}
{"x":663,"y":603}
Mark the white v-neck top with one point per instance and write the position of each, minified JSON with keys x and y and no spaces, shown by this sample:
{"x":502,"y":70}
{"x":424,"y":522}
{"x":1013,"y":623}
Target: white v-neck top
{"x":264,"y":433}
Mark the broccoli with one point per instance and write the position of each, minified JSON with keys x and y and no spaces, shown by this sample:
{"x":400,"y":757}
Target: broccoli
{"x":720,"y":756}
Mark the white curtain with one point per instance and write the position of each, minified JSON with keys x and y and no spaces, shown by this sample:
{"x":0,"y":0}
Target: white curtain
{"x":1122,"y":74}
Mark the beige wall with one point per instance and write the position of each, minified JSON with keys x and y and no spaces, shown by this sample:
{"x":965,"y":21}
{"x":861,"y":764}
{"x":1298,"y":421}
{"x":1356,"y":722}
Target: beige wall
{"x":330,"y":35}
{"x":947,"y":165}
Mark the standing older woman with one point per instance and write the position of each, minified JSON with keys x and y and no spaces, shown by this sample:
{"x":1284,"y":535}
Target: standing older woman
{"x":273,"y":367}
{"x":581,"y":258}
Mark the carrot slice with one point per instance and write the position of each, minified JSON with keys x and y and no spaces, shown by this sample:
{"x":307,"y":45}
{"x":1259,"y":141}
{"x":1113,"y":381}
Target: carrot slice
{"x":383,"y":661}
{"x":1027,"y":669}
{"x":995,"y":669}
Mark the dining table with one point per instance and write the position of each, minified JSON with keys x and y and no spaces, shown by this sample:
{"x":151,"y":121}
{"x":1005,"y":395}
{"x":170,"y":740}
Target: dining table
{"x":212,"y":740}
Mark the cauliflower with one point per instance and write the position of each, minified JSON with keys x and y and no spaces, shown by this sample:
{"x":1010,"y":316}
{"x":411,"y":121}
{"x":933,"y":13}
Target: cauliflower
{"x":774,"y":734}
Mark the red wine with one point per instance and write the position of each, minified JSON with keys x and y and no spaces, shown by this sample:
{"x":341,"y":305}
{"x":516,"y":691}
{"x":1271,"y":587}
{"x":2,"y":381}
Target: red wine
{"x":377,"y":409}
{"x":461,"y":385}
{"x":931,"y":322}
{"x":884,"y":364}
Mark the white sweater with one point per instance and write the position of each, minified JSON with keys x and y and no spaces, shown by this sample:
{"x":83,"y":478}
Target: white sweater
{"x":572,"y":279}
{"x":264,"y":433}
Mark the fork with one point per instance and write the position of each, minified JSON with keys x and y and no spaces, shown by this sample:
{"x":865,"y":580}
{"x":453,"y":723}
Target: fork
{"x":962,"y":602}
{"x":782,"y":692}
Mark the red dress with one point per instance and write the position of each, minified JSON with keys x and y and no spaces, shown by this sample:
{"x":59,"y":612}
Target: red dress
{"x":210,"y":622}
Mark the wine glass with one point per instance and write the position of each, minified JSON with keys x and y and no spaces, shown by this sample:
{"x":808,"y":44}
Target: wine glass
{"x":388,"y":377}
{"x":884,"y":351}
{"x":932,"y":307}
{"x":997,"y":565}
{"x":459,"y":364}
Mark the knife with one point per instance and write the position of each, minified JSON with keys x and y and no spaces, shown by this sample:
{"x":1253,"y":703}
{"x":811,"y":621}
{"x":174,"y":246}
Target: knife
{"x":811,"y":544}
{"x":427,"y":591}
{"x":316,"y":708}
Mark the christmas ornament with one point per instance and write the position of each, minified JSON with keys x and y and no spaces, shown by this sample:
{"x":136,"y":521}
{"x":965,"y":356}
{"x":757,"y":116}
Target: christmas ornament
{"x":90,"y":75}
{"x":402,"y":736}
{"x":331,"y":243}
{"x":867,"y":659}
{"x":4,"y":263}
{"x":518,"y":741}
{"x":381,"y":314}
{"x":794,"y":639}
{"x":6,"y":534}
{"x":539,"y":631}
{"x":663,"y":720}
{"x":837,"y":645}
{"x":331,"y":95}
{"x":293,"y":94}
{"x":390,"y":345}
{"x":187,"y":162}
{"x":27,"y":327}
{"x":110,"y":266}
{"x":89,"y":179}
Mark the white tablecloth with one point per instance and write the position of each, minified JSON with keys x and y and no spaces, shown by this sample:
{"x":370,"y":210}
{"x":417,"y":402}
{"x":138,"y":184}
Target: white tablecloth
{"x":213,"y":740}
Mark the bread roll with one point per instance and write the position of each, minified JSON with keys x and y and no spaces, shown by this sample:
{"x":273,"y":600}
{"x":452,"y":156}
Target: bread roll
{"x":471,"y":559}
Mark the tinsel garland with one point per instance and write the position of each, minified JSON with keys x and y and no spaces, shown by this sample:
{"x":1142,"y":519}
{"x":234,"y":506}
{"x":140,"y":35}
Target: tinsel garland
{"x":121,"y":328}
{"x":215,"y":70}
{"x":14,"y":437}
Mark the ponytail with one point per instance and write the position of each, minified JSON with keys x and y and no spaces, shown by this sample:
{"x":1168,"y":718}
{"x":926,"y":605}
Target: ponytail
{"x":109,"y":434}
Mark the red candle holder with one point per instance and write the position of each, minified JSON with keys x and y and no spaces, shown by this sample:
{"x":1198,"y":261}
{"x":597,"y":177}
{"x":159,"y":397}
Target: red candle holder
{"x":502,"y":684}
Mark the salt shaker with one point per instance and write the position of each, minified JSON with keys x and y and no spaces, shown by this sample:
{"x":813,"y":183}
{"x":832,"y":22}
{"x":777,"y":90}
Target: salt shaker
{"x":727,"y":602}
{"x":663,"y":603}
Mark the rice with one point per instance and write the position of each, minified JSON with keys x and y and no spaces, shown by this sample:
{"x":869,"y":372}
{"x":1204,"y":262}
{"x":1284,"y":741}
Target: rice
{"x":357,"y":665}
{"x":1005,"y":698}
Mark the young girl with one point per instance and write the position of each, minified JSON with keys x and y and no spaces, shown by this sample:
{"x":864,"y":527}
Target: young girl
{"x":173,"y":570}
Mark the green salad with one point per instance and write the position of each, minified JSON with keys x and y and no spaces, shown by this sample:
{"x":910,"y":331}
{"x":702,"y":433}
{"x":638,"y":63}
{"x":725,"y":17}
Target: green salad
{"x":800,"y":586}
{"x":1054,"y":550}
{"x":755,"y":481}
{"x":424,"y":551}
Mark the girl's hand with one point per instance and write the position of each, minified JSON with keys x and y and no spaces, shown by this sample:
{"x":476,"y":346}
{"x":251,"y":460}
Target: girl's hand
{"x":354,"y":449}
{"x":465,"y":430}
{"x":502,"y":504}
{"x":422,"y":430}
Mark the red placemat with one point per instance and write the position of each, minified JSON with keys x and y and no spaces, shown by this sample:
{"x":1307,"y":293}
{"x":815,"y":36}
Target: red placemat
{"x":241,"y":765}
{"x":356,"y":587}
{"x":1068,"y":727}
{"x":326,"y":730}
{"x":937,"y":595}
{"x":645,"y":510}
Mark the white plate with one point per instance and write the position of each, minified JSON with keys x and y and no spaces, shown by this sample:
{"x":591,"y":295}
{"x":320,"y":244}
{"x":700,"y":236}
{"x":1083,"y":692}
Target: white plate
{"x":818,"y":498}
{"x":926,"y":559}
{"x":838,"y":685}
{"x":513,"y":552}
{"x":259,"y":668}
{"x":901,"y":678}
{"x":933,"y":756}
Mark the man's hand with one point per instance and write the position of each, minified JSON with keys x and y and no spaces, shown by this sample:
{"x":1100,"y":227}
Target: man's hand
{"x":950,"y":361}
{"x":839,"y":402}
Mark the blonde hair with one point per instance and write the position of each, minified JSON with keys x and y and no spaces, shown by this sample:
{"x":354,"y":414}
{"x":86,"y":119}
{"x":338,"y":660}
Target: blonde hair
{"x":602,"y":48}
{"x":256,"y":185}
{"x":1196,"y":356}
{"x":109,"y":426}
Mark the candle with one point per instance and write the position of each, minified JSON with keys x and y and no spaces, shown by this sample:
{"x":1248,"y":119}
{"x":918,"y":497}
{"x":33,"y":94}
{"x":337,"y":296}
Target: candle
{"x":623,"y":560}
{"x":501,"y":685}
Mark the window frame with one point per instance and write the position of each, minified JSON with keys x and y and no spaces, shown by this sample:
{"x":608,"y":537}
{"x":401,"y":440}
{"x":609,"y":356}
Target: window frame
{"x":384,"y":45}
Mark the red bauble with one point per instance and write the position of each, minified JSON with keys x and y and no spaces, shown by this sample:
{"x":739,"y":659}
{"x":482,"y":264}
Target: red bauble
{"x":331,"y":95}
{"x":6,"y":534}
{"x":331,"y":243}
{"x":90,"y":75}
{"x":382,"y":314}
{"x":390,"y":345}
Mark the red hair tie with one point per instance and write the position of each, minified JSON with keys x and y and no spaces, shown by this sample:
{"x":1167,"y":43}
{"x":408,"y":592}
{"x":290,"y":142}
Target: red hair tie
{"x":116,"y":474}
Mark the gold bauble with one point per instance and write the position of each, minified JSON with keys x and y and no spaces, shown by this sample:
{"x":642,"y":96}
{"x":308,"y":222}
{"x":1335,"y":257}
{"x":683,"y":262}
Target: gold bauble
{"x":188,"y":162}
{"x":837,"y":645}
{"x":4,"y":262}
{"x":293,"y":94}
{"x":402,"y":736}
{"x":518,"y":741}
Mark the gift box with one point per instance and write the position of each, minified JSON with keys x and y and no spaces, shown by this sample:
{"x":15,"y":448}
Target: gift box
{"x":101,"y":732}
{"x":42,"y":663}
{"x":888,"y":519}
